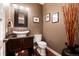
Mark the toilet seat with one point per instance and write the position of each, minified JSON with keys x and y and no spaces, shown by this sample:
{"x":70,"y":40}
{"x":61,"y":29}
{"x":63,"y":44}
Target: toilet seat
{"x":42,"y":44}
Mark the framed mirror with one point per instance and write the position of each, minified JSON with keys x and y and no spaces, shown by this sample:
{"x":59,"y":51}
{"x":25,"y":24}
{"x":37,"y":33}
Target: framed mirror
{"x":20,"y":18}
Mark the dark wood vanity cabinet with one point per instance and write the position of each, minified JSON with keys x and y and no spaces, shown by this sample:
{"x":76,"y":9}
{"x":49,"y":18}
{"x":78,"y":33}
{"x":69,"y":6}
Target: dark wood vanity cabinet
{"x":14,"y":45}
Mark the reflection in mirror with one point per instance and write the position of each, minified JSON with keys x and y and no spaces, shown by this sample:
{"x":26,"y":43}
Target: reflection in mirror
{"x":20,"y":18}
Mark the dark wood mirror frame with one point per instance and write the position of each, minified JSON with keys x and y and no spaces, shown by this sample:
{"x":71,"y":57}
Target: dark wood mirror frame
{"x":16,"y":18}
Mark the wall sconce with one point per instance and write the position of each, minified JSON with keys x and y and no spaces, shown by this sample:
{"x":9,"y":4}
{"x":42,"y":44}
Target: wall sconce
{"x":10,"y":24}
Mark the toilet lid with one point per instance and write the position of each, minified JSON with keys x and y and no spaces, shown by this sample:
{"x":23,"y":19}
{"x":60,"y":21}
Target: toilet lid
{"x":42,"y":43}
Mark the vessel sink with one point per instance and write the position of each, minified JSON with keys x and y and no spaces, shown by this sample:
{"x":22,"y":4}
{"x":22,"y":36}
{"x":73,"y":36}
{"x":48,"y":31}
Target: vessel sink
{"x":21,"y":33}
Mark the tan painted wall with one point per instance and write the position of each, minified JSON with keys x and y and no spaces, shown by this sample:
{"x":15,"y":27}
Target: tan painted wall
{"x":54,"y":33}
{"x":34,"y":10}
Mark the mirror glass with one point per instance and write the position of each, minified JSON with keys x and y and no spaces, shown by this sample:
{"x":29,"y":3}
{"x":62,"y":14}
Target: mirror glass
{"x":20,"y":18}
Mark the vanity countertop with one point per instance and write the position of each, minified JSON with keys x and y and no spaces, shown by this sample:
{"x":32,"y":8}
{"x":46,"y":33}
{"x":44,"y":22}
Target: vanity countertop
{"x":14,"y":37}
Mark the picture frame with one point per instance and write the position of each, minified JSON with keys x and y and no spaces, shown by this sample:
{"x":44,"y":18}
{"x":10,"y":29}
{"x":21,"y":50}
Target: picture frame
{"x":55,"y":17}
{"x":36,"y":19}
{"x":48,"y":17}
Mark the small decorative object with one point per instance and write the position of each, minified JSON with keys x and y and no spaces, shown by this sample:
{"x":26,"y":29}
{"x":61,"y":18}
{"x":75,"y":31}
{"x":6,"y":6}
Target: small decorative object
{"x":10,"y":24}
{"x":36,"y":19}
{"x":48,"y":17}
{"x":55,"y":17}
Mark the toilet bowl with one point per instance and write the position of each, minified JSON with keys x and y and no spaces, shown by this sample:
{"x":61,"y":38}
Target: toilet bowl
{"x":41,"y":44}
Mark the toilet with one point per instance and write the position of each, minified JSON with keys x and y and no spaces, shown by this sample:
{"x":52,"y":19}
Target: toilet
{"x":41,"y":44}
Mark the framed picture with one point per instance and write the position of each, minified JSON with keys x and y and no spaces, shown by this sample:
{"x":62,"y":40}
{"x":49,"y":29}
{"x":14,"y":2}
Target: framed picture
{"x":36,"y":19}
{"x":55,"y":17}
{"x":48,"y":17}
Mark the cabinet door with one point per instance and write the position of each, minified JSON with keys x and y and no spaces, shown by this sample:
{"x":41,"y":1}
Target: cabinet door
{"x":28,"y":43}
{"x":12,"y":46}
{"x":20,"y":44}
{"x":9,"y":47}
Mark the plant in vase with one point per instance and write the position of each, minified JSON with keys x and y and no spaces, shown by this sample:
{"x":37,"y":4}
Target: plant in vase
{"x":70,"y":21}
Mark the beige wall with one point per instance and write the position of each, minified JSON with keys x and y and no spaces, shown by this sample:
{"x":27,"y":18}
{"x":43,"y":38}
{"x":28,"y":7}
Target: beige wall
{"x":34,"y":10}
{"x":54,"y":33}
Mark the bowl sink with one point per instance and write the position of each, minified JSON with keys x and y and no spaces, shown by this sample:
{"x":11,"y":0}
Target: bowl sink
{"x":21,"y":33}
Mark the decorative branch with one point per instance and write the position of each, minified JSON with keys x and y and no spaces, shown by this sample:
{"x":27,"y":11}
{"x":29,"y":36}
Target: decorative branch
{"x":70,"y":21}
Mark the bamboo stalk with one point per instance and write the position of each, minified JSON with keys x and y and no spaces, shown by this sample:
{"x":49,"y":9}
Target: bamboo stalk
{"x":70,"y":20}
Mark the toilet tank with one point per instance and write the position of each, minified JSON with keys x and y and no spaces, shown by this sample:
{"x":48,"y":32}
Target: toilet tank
{"x":37,"y":37}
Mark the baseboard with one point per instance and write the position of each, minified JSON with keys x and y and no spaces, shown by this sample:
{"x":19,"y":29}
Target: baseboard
{"x":53,"y":51}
